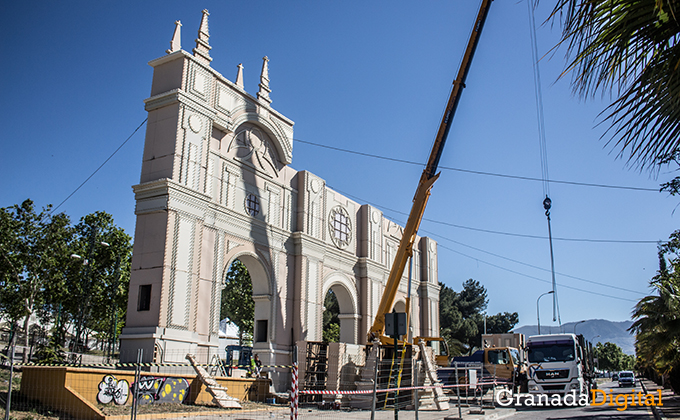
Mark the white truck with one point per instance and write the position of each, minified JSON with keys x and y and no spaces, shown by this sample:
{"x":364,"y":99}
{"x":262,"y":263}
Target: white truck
{"x":559,"y":364}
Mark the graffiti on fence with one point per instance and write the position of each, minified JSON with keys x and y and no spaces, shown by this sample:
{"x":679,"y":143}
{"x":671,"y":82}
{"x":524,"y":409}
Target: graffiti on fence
{"x":111,"y":389}
{"x":154,"y":390}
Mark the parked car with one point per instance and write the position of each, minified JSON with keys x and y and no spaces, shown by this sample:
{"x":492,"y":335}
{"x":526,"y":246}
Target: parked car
{"x":615,"y":377}
{"x":626,"y":378}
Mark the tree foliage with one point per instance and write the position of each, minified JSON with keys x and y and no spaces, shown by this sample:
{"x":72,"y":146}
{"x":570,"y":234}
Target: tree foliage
{"x":95,"y":297}
{"x":34,"y":247}
{"x":610,"y":357}
{"x":501,"y":323}
{"x":628,"y":48}
{"x":237,"y":302}
{"x":461,"y":317}
{"x":331,"y":321}
{"x":657,"y":317}
{"x":39,"y":277}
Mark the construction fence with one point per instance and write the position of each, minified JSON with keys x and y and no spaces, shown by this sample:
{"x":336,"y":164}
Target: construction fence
{"x":330,"y":381}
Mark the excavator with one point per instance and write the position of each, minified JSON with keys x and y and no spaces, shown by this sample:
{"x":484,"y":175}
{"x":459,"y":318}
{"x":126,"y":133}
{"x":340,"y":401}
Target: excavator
{"x":427,"y":179}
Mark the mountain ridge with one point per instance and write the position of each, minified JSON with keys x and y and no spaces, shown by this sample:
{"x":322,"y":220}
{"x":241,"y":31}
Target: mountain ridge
{"x":594,"y":330}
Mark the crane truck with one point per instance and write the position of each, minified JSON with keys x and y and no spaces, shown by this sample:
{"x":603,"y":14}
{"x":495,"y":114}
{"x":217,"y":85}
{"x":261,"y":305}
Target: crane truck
{"x":376,"y":334}
{"x":422,"y":194}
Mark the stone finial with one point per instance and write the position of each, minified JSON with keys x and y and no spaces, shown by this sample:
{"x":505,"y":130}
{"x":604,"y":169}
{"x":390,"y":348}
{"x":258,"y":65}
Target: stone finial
{"x":176,"y":42}
{"x":203,"y":48}
{"x":264,"y":92}
{"x":239,"y":76}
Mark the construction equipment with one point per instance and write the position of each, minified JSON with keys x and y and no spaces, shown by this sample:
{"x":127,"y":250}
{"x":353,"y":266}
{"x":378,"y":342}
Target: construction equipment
{"x":405,"y":251}
{"x":427,"y":179}
{"x":440,"y":349}
{"x":504,"y":364}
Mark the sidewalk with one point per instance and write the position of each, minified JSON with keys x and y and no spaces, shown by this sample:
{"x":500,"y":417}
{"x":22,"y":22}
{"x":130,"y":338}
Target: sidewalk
{"x":452,"y":413}
{"x":306,"y":413}
{"x":671,"y":402}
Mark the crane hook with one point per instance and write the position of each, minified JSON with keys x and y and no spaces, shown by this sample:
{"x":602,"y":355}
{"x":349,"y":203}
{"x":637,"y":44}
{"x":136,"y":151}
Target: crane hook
{"x":546,"y":205}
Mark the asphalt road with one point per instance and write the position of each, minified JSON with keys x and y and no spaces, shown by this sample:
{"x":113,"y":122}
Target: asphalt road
{"x":606,"y":410}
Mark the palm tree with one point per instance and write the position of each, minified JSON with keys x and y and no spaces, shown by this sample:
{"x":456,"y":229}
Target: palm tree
{"x":628,"y":48}
{"x":657,"y":319}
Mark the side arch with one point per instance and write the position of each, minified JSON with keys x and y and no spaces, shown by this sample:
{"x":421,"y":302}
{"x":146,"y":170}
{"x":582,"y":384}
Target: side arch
{"x":346,"y":292}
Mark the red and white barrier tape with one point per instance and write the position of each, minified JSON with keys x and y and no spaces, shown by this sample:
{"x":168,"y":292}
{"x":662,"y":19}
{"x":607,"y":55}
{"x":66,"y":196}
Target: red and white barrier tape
{"x":409,"y":388}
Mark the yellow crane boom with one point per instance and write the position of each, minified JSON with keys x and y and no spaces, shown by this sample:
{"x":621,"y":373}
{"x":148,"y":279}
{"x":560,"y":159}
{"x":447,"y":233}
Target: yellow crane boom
{"x":427,"y":179}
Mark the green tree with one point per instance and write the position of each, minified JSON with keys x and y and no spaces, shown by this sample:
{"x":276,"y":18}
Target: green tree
{"x":657,"y":317}
{"x":610,"y":357}
{"x":501,"y":323}
{"x":628,"y":362}
{"x":331,"y":321}
{"x":628,"y":48}
{"x":34,"y":248}
{"x":461,"y":317}
{"x":95,"y":296}
{"x":450,"y":316}
{"x":472,"y":300}
{"x":237,"y":300}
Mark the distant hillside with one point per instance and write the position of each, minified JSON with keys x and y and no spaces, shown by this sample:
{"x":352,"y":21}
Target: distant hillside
{"x":594,"y":330}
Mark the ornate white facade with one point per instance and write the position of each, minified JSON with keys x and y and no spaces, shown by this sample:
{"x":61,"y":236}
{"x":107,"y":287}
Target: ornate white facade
{"x":215,"y":187}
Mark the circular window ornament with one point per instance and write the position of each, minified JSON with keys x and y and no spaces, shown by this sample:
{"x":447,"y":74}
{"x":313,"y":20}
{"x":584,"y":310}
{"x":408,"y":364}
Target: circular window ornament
{"x":340,"y":227}
{"x":252,"y":204}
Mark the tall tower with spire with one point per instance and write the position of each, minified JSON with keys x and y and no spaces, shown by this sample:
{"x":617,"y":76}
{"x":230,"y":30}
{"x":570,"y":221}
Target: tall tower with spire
{"x":214,"y":156}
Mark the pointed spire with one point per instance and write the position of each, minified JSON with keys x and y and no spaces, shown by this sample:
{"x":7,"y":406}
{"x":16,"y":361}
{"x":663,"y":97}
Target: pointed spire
{"x":203,"y":48}
{"x":176,"y":43}
{"x":239,"y":76}
{"x":264,"y":92}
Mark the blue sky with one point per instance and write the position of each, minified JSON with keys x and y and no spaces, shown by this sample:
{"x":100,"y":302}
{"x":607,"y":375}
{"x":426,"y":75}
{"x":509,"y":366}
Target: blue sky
{"x":371,"y":77}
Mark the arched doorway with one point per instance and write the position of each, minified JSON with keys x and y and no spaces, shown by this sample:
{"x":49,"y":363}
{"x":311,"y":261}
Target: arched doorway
{"x":344,"y":293}
{"x":236,"y":302}
{"x":260,"y":296}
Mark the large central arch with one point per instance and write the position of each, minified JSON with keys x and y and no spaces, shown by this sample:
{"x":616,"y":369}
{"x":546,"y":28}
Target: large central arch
{"x":261,"y":279}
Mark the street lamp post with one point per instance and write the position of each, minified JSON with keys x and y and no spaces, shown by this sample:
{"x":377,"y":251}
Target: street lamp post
{"x":538,"y":311}
{"x":84,"y":308}
{"x":580,"y":322}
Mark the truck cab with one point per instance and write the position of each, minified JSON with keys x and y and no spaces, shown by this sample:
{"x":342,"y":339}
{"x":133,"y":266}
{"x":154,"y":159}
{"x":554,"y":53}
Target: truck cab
{"x":558,"y":364}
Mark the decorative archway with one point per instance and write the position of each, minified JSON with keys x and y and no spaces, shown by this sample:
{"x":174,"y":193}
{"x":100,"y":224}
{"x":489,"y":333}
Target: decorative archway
{"x":262,"y":295}
{"x":346,"y":293}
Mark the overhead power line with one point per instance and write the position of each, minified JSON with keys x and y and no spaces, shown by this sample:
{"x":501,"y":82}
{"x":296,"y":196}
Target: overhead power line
{"x":618,"y":288}
{"x":496,"y":232}
{"x":523,"y":178}
{"x":538,"y":278}
{"x":100,"y":166}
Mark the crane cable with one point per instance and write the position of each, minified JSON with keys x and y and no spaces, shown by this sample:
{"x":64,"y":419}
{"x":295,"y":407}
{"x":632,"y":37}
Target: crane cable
{"x":547,"y":203}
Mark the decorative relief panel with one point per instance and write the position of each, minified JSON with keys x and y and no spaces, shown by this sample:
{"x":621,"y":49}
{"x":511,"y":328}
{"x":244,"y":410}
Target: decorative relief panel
{"x":199,"y":82}
{"x":227,"y":101}
{"x":314,"y":202}
{"x":195,"y":128}
{"x":181,"y":276}
{"x":251,"y":145}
